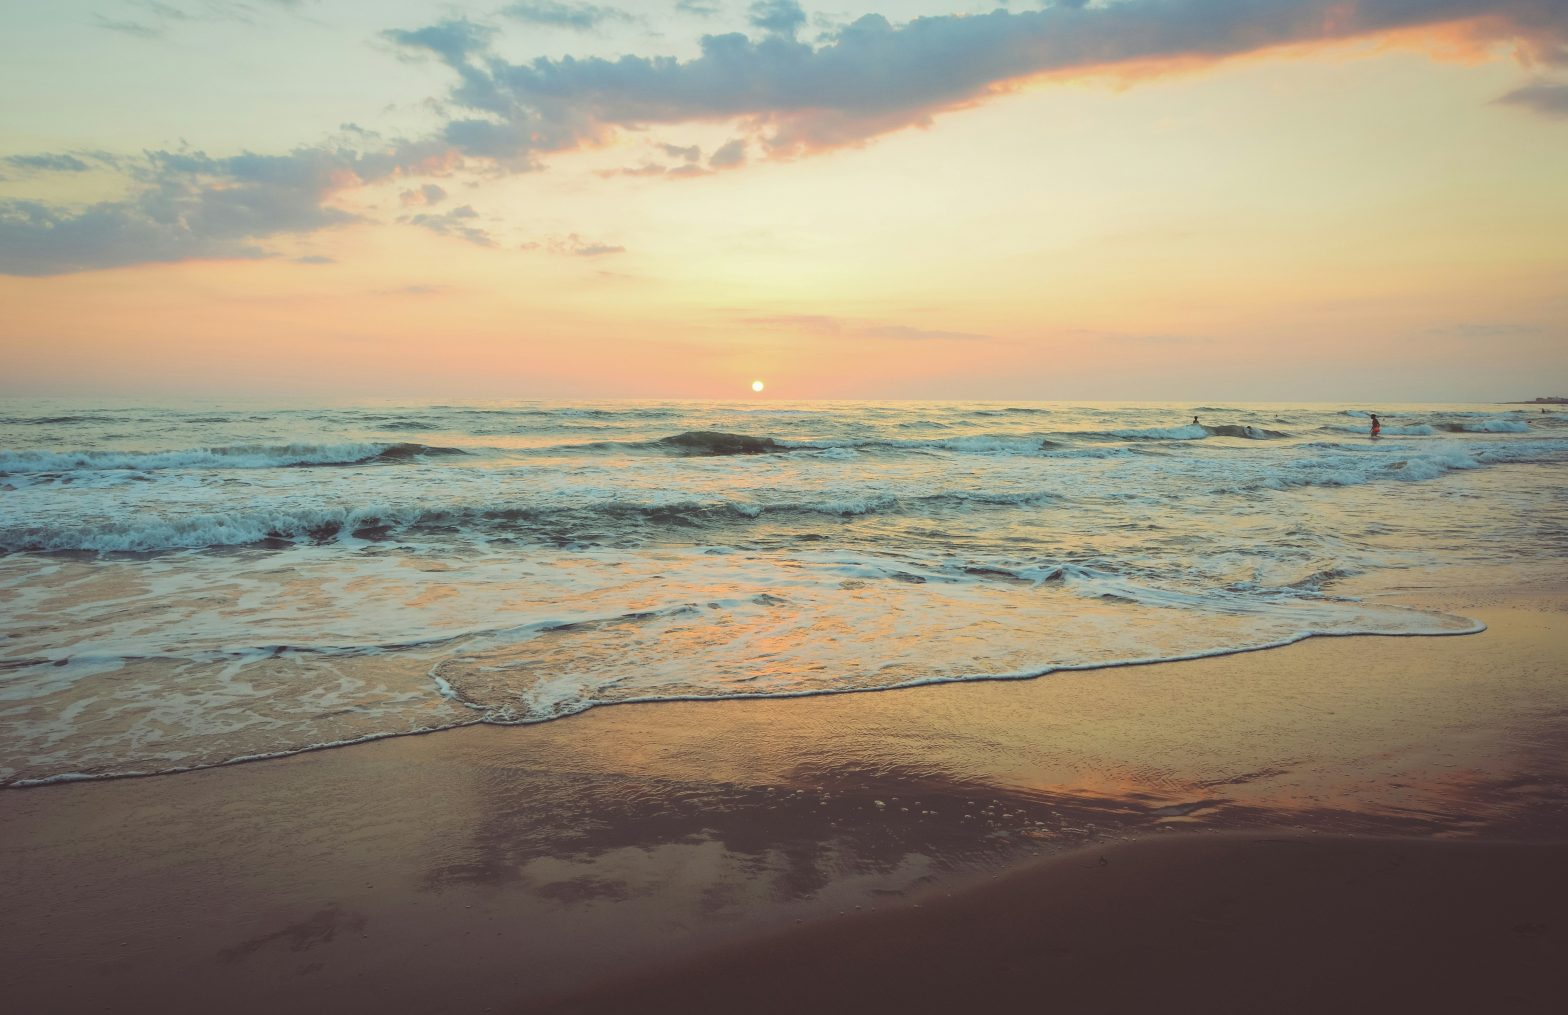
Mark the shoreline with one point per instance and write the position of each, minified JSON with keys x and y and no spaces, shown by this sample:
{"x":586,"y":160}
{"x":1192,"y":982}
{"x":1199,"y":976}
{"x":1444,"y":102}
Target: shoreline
{"x":66,"y":778}
{"x":510,"y":867}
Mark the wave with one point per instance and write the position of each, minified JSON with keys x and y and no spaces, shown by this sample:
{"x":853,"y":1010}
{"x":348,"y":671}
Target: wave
{"x":245,"y":456}
{"x":1013,"y":410}
{"x":554,"y":524}
{"x":1495,"y":425}
{"x":1190,"y":432}
{"x":704,"y":443}
{"x":1346,"y":466}
{"x":1413,"y":430}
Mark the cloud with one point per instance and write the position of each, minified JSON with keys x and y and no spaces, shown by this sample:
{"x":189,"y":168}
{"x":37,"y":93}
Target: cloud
{"x":48,"y":163}
{"x":1544,"y":97}
{"x":136,"y":28}
{"x":578,"y":17}
{"x":315,"y":259}
{"x":188,"y":206}
{"x":575,"y":246}
{"x":699,"y":8}
{"x":429,"y":194}
{"x":452,"y":40}
{"x":789,"y":98}
{"x":729,"y":154}
{"x":690,"y":153}
{"x":158,"y":16}
{"x":456,"y":222}
{"x":873,"y":77}
{"x":1485,"y":329}
{"x":820,"y":324}
{"x":777,"y":17}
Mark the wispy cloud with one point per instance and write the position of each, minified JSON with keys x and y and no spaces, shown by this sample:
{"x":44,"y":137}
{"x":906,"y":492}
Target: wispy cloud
{"x":1544,"y":97}
{"x":62,"y":163}
{"x":575,"y":16}
{"x":152,"y":19}
{"x":820,"y":324}
{"x":698,"y":8}
{"x":574,"y":245}
{"x":429,"y":194}
{"x":1486,"y":329}
{"x":458,"y":222}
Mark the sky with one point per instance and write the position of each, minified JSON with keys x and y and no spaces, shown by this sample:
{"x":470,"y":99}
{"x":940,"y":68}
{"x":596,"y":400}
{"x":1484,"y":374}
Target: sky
{"x":1302,"y":200}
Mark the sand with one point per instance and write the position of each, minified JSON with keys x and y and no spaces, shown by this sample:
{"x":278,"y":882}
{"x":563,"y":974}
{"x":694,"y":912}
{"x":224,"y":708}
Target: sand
{"x":1413,"y":790}
{"x":1232,"y":923}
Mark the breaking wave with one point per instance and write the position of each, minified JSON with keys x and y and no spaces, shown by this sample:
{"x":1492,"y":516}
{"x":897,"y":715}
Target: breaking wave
{"x":238,"y":457}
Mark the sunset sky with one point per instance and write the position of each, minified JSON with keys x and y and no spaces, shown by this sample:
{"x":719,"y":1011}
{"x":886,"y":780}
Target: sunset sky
{"x":1147,"y":199}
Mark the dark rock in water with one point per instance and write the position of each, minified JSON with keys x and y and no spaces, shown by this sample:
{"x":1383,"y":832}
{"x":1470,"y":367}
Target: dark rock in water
{"x":1256,"y":433}
{"x":713,"y":442}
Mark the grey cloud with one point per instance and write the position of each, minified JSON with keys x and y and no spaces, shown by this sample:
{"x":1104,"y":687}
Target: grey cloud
{"x":452,"y":40}
{"x":690,"y":153}
{"x":315,"y":259}
{"x":700,"y":8}
{"x":1543,"y":97}
{"x":135,"y":28}
{"x":729,"y":154}
{"x":429,"y":194}
{"x":36,"y":239}
{"x":453,"y":223}
{"x":186,"y":205}
{"x":873,"y":77}
{"x":779,"y":17}
{"x":579,"y":17}
{"x":48,"y":163}
{"x":156,"y":17}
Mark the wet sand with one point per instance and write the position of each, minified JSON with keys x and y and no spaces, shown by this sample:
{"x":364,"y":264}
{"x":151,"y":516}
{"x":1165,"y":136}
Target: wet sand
{"x":1231,"y":923}
{"x":514,"y":868}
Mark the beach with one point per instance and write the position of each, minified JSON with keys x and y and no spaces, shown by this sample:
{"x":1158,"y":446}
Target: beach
{"x":567,"y":508}
{"x":1379,"y":822}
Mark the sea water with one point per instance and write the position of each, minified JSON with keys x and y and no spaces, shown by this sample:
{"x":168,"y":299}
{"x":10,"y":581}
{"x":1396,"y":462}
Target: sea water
{"x":186,"y":587}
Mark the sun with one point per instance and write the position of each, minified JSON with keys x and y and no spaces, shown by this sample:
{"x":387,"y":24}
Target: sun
{"x":756,"y":385}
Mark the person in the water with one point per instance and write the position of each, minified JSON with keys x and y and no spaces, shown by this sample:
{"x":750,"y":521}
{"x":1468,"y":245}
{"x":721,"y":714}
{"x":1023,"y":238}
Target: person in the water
{"x":1195,"y":421}
{"x":1377,"y":426}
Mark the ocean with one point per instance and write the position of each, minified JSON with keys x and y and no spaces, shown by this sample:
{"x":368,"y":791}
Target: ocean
{"x":189,"y":586}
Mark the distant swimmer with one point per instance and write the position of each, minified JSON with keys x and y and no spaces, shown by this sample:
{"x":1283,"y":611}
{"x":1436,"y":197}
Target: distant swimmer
{"x":1377,"y":426}
{"x":1196,"y":423}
